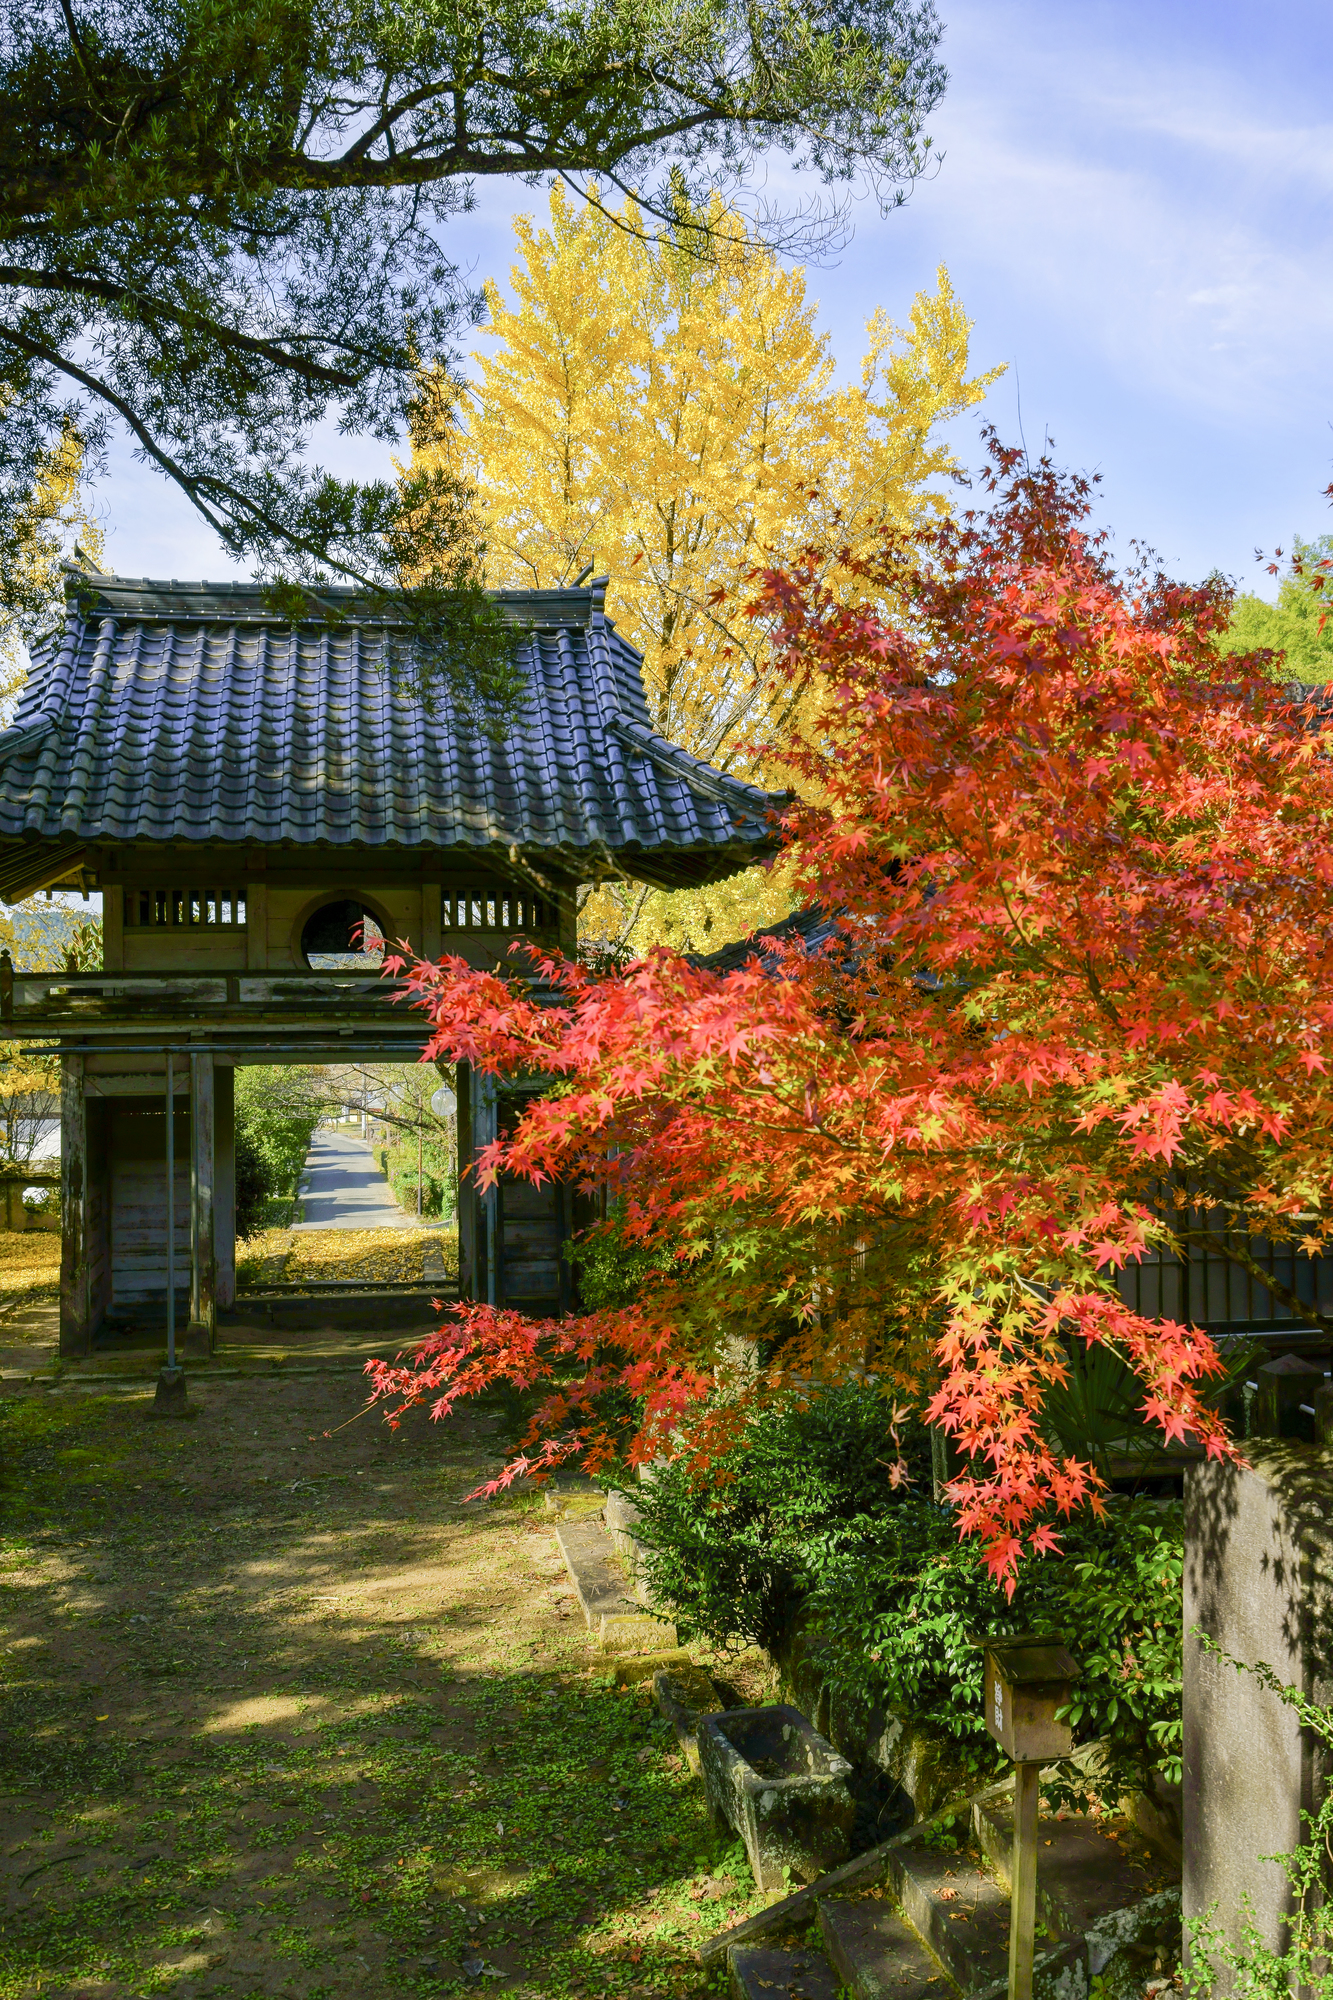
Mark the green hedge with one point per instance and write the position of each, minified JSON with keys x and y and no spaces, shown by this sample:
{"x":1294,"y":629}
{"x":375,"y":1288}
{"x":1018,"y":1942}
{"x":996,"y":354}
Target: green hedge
{"x":398,"y":1164}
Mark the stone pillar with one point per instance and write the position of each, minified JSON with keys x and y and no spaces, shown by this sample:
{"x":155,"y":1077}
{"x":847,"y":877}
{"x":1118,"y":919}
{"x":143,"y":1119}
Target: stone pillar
{"x":76,"y":1310}
{"x":1258,"y":1580}
{"x":203,"y":1264}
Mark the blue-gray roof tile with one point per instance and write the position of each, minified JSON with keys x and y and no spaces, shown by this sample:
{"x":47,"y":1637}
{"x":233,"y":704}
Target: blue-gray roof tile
{"x":187,"y":712}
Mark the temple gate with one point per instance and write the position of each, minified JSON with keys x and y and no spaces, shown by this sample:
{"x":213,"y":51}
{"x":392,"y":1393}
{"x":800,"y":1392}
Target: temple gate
{"x":245,"y":793}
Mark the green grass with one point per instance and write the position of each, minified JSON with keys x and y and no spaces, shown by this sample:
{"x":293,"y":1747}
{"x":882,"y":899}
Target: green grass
{"x":465,"y":1789}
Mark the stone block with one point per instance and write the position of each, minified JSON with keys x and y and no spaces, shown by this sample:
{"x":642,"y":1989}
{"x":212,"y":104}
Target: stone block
{"x":1084,"y":1873}
{"x":631,"y":1668}
{"x":684,"y":1694}
{"x":622,"y":1516}
{"x":877,"y":1955}
{"x":1258,"y":1581}
{"x":924,"y":1765}
{"x":170,"y":1398}
{"x":783,"y":1789}
{"x":1156,"y":1815}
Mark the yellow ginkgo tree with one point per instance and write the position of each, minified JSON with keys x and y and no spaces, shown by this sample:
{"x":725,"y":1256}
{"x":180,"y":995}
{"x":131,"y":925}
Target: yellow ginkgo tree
{"x":53,"y":519}
{"x":662,"y":407}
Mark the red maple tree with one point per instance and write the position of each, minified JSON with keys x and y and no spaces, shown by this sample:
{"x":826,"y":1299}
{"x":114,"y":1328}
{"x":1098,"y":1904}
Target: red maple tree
{"x":1076,"y":1001}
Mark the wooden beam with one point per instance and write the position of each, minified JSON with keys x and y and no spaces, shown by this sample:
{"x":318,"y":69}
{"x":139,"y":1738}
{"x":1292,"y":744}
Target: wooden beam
{"x":256,"y":924}
{"x":25,"y":870}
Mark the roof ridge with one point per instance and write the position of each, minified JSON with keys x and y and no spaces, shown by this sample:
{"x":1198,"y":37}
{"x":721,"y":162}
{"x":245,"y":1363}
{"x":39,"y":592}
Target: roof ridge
{"x":88,"y":592}
{"x":700,"y":775}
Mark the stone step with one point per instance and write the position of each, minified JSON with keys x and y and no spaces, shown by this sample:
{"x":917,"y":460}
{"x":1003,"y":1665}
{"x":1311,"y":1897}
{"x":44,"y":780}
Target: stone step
{"x":961,"y":1911}
{"x":1086,"y":1868}
{"x":958,"y":1909}
{"x":765,"y":1972}
{"x":615,"y":1621}
{"x":573,"y":1496}
{"x":876,"y":1954}
{"x":433,"y":1267}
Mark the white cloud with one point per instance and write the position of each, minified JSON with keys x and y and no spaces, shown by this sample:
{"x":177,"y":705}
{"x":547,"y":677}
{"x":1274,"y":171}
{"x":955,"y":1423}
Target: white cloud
{"x":1157,"y":221}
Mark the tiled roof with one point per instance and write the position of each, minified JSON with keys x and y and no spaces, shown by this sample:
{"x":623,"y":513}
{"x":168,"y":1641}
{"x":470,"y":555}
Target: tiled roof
{"x":187,"y":712}
{"x":813,"y":927}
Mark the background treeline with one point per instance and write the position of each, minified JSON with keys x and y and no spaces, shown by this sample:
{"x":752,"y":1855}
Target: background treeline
{"x":277,"y":1111}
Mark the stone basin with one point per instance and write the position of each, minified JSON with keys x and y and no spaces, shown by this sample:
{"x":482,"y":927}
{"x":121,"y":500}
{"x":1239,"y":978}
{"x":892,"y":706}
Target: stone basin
{"x":773,"y":1778}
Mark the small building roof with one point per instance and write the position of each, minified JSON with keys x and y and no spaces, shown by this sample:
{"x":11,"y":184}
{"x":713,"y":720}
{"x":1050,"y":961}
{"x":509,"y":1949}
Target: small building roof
{"x":187,"y":712}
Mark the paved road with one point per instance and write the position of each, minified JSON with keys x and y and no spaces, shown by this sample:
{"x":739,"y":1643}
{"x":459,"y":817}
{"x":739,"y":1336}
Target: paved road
{"x":346,"y":1189}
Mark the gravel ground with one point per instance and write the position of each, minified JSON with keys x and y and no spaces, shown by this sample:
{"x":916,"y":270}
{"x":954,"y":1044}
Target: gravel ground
{"x":282,"y":1714}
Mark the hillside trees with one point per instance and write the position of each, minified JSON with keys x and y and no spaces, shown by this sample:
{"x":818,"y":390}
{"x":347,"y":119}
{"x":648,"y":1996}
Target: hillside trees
{"x":660,"y":405}
{"x":1298,"y":625}
{"x":220,"y":226}
{"x":1078,"y":1006}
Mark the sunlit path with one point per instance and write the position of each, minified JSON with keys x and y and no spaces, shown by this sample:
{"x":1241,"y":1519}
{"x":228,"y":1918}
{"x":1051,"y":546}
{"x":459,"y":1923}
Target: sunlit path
{"x":345,"y":1188}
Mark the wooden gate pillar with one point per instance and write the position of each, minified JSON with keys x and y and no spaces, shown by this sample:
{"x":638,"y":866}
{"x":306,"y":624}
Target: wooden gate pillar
{"x":203,"y":1180}
{"x":224,"y":1182}
{"x":76,"y":1298}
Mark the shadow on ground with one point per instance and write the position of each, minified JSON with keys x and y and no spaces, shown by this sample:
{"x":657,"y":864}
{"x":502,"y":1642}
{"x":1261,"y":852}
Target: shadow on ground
{"x":281,"y":1715}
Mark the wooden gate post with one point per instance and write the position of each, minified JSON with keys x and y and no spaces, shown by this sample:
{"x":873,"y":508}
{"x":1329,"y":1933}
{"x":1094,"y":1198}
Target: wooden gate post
{"x":76,"y":1317}
{"x":199,"y":1334}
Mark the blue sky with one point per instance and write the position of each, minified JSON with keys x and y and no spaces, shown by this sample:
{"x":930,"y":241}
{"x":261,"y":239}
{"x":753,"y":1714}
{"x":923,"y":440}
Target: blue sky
{"x":1134,"y":203}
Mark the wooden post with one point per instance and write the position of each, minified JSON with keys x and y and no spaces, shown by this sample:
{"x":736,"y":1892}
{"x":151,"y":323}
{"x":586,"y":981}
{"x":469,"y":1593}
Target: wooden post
{"x":430,"y":943}
{"x":465,"y":1201}
{"x":203,"y":1181}
{"x":76,"y":1328}
{"x":256,"y":923}
{"x":1023,"y":1909}
{"x":113,"y":927}
{"x":224,"y":1183}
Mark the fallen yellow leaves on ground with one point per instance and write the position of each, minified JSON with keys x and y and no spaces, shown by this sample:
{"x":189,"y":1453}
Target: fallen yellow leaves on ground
{"x":314,"y":1256}
{"x":30,"y":1264}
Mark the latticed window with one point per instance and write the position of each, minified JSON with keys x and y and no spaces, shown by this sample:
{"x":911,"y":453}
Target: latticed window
{"x":515,"y":911}
{"x":185,"y":909}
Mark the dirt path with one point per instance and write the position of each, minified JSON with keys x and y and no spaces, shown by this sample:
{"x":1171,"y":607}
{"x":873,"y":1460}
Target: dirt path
{"x":279,"y":1715}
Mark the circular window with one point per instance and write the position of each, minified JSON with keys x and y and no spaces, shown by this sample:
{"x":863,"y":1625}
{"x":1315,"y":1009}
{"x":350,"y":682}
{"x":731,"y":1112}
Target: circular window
{"x":343,"y":937}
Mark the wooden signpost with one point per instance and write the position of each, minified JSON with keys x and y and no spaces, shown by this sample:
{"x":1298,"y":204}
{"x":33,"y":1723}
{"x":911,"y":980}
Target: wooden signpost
{"x":1028,"y":1681}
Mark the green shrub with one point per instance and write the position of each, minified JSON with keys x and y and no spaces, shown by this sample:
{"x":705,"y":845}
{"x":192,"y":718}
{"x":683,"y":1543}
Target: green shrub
{"x":252,"y":1184}
{"x":736,"y":1556}
{"x":901,"y":1613}
{"x":277,"y":1110}
{"x":797,"y":1526}
{"x":611,"y":1269}
{"x":398,"y":1164}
